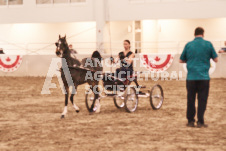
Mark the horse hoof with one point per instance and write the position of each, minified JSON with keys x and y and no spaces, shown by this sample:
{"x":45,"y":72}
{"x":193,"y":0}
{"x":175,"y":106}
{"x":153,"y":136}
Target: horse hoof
{"x":97,"y":109}
{"x":77,"y":111}
{"x":91,"y":112}
{"x":62,"y":116}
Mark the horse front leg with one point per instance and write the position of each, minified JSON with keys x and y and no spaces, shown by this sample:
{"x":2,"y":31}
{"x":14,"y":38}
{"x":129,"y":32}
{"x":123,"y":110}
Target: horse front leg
{"x":96,"y":103}
{"x":72,"y":100}
{"x":66,"y":103}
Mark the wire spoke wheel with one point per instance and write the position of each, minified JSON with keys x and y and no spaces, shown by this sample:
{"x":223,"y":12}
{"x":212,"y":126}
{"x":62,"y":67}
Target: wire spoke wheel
{"x":131,"y":99}
{"x":90,"y":98}
{"x":119,"y":101}
{"x":156,"y":97}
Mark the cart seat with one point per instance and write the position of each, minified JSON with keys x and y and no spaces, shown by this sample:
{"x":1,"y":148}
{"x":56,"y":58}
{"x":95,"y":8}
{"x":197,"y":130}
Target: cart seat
{"x":133,"y":75}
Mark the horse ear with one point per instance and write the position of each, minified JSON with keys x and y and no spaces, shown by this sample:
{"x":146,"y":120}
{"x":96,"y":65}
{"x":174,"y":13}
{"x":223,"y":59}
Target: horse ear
{"x":65,"y":36}
{"x":59,"y":36}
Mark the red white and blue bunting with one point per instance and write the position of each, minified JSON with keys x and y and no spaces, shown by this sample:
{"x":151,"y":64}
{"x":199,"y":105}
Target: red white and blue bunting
{"x":156,"y":63}
{"x":10,"y":63}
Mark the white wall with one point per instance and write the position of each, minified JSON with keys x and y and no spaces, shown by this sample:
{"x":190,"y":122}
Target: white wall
{"x":16,"y":38}
{"x":183,"y":30}
{"x":176,"y":9}
{"x":172,"y":34}
{"x":116,"y":10}
{"x":117,"y":32}
{"x":149,"y":34}
{"x":29,"y":12}
{"x":168,"y":21}
{"x":158,"y":36}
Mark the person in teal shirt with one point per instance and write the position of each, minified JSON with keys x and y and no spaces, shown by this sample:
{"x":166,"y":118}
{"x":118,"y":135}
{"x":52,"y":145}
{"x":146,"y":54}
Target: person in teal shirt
{"x":197,"y":55}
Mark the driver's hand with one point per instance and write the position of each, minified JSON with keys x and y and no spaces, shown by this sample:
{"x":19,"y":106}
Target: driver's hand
{"x":112,"y":59}
{"x":127,"y":59}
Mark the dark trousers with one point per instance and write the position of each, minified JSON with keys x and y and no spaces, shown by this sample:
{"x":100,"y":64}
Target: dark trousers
{"x":201,"y":88}
{"x":125,"y":72}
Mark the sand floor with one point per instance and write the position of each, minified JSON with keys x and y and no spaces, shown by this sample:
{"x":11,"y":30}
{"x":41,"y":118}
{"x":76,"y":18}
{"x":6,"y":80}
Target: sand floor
{"x":31,"y":121}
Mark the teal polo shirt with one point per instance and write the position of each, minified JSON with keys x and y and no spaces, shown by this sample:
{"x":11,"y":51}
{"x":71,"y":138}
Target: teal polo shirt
{"x":197,"y":55}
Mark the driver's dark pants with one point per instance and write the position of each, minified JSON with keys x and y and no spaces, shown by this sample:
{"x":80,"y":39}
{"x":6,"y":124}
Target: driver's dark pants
{"x":201,"y":88}
{"x":123,"y":72}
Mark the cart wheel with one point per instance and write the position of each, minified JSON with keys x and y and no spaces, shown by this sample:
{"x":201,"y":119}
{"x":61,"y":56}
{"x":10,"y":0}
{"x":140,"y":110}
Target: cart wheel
{"x":90,"y":98}
{"x":131,"y":99}
{"x":156,"y":97}
{"x":119,"y":101}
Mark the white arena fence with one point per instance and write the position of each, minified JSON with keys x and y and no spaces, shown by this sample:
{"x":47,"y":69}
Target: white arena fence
{"x":161,"y":47}
{"x":38,"y":65}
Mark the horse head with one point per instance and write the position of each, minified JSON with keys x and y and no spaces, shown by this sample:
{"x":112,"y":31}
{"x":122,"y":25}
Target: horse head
{"x":61,"y":46}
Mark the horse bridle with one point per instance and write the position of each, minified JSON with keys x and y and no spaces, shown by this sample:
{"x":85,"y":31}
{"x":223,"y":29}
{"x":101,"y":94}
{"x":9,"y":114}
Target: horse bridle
{"x":58,"y":44}
{"x":58,"y":50}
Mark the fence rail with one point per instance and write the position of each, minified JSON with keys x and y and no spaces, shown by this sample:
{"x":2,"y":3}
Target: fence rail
{"x":89,"y":47}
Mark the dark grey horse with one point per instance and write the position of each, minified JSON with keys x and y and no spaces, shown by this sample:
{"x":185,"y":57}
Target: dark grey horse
{"x":78,"y":71}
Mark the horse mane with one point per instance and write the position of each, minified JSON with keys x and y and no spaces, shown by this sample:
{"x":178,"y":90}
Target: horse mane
{"x":95,"y":60}
{"x":97,"y":55}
